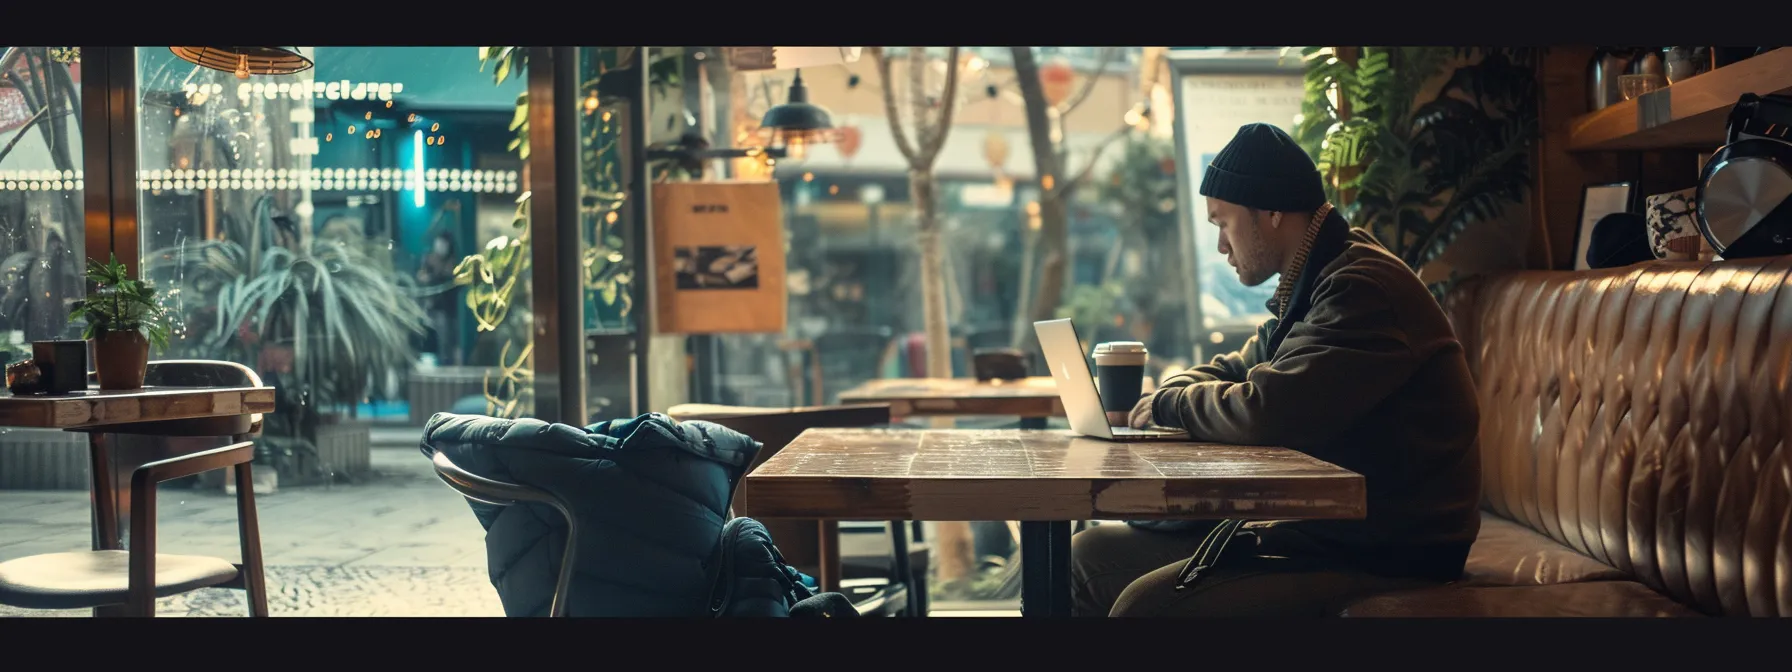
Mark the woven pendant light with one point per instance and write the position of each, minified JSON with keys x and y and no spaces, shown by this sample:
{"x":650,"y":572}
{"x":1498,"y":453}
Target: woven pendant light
{"x":246,"y":61}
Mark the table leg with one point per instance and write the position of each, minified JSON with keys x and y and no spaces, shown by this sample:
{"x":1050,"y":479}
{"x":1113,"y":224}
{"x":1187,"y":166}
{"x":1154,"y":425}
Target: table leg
{"x":1045,"y":568}
{"x":102,"y":488}
{"x":829,"y":550}
{"x":105,"y":502}
{"x":903,"y":573}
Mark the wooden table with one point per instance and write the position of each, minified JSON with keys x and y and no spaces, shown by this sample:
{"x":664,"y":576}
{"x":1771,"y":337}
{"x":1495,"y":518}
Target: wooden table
{"x":1033,"y":399}
{"x":97,"y":408}
{"x":1030,"y":398}
{"x":97,"y":413}
{"x":1045,"y":479}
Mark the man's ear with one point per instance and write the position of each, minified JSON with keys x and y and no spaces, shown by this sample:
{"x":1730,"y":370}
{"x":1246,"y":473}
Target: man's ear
{"x":1275,"y":219}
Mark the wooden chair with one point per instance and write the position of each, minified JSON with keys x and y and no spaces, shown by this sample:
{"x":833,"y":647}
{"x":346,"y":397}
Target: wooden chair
{"x":111,"y":577}
{"x":498,"y":493}
{"x":815,"y":545}
{"x":836,"y":361}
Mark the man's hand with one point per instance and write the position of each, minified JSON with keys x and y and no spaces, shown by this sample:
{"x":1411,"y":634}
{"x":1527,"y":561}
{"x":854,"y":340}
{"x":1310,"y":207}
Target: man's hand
{"x":1141,"y":413}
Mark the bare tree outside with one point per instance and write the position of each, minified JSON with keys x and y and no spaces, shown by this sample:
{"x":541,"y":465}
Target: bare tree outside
{"x":1042,"y":290}
{"x":930,"y":119}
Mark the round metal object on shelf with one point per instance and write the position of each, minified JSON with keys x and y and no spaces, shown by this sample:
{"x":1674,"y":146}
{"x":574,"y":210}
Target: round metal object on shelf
{"x":1743,"y":199}
{"x":250,"y":60}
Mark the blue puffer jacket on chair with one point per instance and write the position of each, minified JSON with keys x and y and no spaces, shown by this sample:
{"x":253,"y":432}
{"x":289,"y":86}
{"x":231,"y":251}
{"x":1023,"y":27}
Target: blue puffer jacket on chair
{"x":651,"y":496}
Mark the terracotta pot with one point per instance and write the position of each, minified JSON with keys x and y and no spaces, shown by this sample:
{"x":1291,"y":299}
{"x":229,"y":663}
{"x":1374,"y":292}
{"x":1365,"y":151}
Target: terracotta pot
{"x":120,"y":358}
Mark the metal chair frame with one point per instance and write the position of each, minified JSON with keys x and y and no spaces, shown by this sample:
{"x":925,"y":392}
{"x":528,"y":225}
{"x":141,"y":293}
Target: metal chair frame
{"x":499,"y":493}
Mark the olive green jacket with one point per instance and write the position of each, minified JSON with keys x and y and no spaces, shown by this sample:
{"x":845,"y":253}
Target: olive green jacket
{"x":1365,"y":372}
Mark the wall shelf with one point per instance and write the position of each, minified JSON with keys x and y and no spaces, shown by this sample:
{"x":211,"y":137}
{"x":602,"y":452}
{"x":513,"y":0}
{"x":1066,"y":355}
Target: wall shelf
{"x":1689,"y":114}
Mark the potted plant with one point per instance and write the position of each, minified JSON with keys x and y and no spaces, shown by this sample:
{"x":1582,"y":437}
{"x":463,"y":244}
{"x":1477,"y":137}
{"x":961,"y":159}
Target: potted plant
{"x":317,"y":319}
{"x":123,"y":319}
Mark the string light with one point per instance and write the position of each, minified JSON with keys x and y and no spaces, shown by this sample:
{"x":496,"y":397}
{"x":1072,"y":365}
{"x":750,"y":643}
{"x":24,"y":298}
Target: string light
{"x":262,"y":179}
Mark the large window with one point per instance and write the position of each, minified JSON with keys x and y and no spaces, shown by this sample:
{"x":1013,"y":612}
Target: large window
{"x":855,"y":284}
{"x":309,"y":226}
{"x":42,"y":239}
{"x":360,"y":235}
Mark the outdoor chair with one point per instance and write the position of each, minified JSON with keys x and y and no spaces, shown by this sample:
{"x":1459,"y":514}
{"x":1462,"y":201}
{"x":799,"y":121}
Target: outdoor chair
{"x":884,"y":584}
{"x":842,"y":358}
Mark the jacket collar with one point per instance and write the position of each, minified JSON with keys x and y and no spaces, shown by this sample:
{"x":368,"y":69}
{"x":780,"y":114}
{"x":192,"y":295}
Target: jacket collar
{"x":1333,"y":237}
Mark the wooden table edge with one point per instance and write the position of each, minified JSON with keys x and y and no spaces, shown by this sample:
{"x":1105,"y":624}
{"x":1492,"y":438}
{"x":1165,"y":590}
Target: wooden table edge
{"x":252,"y":403}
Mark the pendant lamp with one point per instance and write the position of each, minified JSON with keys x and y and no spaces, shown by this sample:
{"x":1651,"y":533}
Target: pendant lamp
{"x":798,"y":122}
{"x":246,"y":61}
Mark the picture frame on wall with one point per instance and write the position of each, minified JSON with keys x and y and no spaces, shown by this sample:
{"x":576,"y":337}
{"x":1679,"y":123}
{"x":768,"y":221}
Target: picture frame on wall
{"x":1597,"y":201}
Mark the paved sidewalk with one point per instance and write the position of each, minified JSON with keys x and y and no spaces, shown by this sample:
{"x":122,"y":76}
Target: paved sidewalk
{"x":400,"y":544}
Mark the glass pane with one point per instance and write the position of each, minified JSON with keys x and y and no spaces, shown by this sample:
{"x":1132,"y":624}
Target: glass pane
{"x":358,"y":234}
{"x":605,"y":241}
{"x":42,"y":253}
{"x":42,"y":234}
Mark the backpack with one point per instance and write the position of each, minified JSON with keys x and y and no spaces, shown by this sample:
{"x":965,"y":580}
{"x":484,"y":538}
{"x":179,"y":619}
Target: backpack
{"x":751,"y":579}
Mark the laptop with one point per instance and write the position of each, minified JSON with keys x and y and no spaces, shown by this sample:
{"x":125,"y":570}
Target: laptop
{"x":1076,"y":387}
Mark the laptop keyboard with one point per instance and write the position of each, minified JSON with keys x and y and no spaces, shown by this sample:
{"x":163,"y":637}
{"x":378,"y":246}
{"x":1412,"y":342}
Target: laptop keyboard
{"x":1128,"y":431}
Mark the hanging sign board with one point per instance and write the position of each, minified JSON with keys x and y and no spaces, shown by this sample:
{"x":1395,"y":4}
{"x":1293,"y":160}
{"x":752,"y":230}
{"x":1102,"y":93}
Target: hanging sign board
{"x":718,"y":258}
{"x":785,"y":58}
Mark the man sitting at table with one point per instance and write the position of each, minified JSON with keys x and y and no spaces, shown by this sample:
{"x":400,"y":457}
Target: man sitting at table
{"x":1358,"y":367}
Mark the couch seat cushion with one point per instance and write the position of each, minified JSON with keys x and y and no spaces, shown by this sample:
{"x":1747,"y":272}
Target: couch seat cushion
{"x":1509,"y":554}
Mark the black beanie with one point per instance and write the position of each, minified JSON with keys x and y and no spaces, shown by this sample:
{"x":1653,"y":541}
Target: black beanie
{"x":1263,"y":168}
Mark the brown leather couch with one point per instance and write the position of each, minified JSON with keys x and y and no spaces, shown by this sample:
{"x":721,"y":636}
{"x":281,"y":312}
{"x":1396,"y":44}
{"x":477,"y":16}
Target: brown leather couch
{"x":1634,"y":450}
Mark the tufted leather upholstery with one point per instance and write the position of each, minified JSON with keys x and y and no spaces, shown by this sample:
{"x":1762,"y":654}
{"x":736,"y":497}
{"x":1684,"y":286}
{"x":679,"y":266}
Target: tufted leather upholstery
{"x":1638,"y":416}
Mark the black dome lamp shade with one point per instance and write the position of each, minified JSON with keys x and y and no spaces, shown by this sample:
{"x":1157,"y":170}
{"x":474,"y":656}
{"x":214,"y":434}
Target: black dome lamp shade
{"x":798,"y":122}
{"x":246,"y":61}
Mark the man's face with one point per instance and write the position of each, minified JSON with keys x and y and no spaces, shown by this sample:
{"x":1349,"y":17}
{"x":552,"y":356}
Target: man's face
{"x":1245,"y":240}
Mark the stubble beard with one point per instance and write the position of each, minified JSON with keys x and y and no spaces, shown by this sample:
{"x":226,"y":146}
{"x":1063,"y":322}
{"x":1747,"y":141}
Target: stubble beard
{"x":1255,"y":262}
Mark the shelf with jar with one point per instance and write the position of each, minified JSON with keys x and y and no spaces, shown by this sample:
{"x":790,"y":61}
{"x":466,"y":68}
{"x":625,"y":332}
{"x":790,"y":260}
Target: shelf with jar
{"x":1672,"y":97}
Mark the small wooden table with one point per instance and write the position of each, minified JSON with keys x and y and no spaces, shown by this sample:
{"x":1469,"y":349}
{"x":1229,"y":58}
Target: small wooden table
{"x":97,"y":412}
{"x":1045,"y":479}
